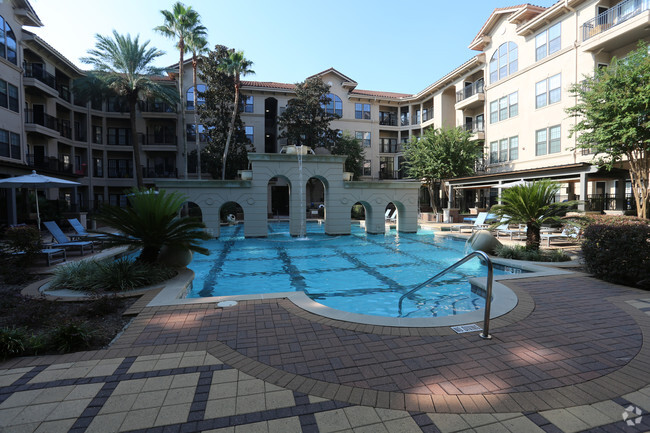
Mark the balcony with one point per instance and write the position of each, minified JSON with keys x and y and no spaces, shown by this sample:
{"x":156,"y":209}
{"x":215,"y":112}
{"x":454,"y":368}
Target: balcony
{"x":472,"y":95}
{"x":477,"y":128}
{"x":389,"y":146}
{"x":37,"y":71}
{"x":620,"y":25}
{"x":40,"y":162}
{"x":64,"y":129}
{"x":64,"y":92}
{"x":120,"y":173}
{"x":161,"y":172}
{"x":41,"y":123}
{"x":427,"y":114}
{"x":387,"y":118}
{"x":391,"y":174}
{"x":603,"y":202}
{"x":156,"y":107}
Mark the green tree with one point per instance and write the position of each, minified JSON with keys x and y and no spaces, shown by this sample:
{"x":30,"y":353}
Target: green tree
{"x":181,"y":23}
{"x":237,"y":66}
{"x":215,"y":116}
{"x":613,"y":118}
{"x":532,"y":204}
{"x":440,"y":154}
{"x":123,"y":67}
{"x":198,"y":46}
{"x":151,"y":221}
{"x":306,"y":120}
{"x":346,"y":144}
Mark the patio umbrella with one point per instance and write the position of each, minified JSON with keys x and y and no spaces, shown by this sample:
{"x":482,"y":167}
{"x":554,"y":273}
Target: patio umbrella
{"x":35,"y":181}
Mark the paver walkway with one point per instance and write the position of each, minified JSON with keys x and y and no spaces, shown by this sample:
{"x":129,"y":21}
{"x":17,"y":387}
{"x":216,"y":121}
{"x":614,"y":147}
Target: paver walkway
{"x":572,"y":356}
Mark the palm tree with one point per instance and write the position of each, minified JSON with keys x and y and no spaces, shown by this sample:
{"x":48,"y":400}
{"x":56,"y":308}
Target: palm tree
{"x":532,"y":204}
{"x":122,"y":67}
{"x":237,"y":66}
{"x":180,"y":23}
{"x":198,"y":46}
{"x":151,"y":221}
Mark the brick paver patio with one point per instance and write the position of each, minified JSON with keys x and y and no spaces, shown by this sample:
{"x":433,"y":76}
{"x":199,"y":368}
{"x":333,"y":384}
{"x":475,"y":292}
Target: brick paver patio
{"x":572,"y":356}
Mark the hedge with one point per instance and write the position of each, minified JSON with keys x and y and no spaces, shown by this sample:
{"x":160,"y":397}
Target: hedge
{"x":619,"y":253}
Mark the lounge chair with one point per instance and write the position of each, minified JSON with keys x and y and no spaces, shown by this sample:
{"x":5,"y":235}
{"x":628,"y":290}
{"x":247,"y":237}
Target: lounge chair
{"x":393,"y":217}
{"x":82,"y":233}
{"x":387,"y":214}
{"x":567,"y":234}
{"x":504,"y":229}
{"x":478,"y":224}
{"x":63,"y":241}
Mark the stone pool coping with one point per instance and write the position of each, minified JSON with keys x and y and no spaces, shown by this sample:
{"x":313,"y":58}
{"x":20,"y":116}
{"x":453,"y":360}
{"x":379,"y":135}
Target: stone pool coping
{"x":504,"y":299}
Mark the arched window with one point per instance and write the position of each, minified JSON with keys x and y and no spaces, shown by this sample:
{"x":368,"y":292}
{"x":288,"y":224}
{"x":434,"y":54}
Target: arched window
{"x":335,"y":105}
{"x":504,"y":61}
{"x":200,"y":100}
{"x":8,"y":42}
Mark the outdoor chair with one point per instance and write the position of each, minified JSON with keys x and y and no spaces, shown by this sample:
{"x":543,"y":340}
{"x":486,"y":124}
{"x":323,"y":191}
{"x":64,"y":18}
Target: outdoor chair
{"x":83,"y":234}
{"x":63,"y":241}
{"x":393,"y":217}
{"x":504,"y":229}
{"x":478,"y":224}
{"x":567,"y":234}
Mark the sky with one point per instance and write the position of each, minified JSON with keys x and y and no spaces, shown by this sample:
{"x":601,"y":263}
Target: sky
{"x":391,"y":46}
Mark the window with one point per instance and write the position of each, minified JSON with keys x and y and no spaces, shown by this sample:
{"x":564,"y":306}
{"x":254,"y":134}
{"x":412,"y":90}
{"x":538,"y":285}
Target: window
{"x":362,"y":111}
{"x":8,"y":96}
{"x":119,"y":136}
{"x":97,"y":134}
{"x":363,"y":137}
{"x":548,"y":140}
{"x":4,"y":143}
{"x":15,"y":145}
{"x":191,"y":134}
{"x":548,"y":91}
{"x":514,"y":148}
{"x":547,"y":42}
{"x":120,"y":168}
{"x":334,"y":105}
{"x":248,"y":104}
{"x":249,"y":133}
{"x":504,"y":108}
{"x":98,"y":167}
{"x":200,"y":100}
{"x":504,"y":61}
{"x":388,"y":145}
{"x":506,"y":149}
{"x":7,"y":42}
{"x":367,"y":167}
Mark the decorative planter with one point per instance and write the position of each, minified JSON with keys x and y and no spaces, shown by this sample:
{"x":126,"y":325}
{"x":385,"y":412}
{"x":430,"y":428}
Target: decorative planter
{"x":293,"y":150}
{"x":246,"y":174}
{"x":348,"y":175}
{"x":177,"y":257}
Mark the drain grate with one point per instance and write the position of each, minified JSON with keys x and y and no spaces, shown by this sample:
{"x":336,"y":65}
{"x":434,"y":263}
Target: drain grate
{"x":466,"y":328}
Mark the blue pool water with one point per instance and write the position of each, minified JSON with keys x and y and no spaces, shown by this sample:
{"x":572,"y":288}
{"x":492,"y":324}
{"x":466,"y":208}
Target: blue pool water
{"x":360,"y":273}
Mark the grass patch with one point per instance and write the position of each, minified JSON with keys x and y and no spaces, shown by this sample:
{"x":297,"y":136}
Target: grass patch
{"x":518,"y":252}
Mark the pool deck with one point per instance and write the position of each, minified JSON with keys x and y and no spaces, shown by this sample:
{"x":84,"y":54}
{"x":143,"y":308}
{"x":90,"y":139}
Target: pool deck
{"x":572,"y":356}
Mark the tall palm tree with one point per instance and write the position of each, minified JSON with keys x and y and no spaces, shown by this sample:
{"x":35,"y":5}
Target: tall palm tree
{"x":198,"y":46}
{"x":532,"y":204}
{"x":237,"y":66}
{"x":123,"y":66}
{"x":181,"y":22}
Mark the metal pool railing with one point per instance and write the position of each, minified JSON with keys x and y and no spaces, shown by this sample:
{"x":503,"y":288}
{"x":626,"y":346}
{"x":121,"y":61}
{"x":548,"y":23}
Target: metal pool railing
{"x":485,"y":334}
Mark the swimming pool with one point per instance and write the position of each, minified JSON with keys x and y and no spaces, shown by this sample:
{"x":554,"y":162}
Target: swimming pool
{"x":360,"y":273}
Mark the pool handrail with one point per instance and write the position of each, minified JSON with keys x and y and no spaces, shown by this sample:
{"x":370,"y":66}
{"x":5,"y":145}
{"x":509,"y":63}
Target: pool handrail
{"x":485,"y":334}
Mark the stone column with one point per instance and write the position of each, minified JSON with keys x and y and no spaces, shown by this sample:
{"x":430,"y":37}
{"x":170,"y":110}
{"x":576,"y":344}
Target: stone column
{"x":583,"y":192}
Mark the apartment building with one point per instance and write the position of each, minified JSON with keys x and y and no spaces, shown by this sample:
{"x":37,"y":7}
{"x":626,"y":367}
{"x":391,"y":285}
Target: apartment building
{"x":511,"y":95}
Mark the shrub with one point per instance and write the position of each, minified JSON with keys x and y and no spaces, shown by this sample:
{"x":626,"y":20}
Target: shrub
{"x":70,"y":336}
{"x":109,"y":275}
{"x":12,"y":342}
{"x":518,"y":252}
{"x":358,"y":212}
{"x":618,"y":253}
{"x":25,"y":240}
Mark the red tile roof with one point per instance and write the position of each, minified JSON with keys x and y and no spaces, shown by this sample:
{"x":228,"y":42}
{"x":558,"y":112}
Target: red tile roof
{"x":359,"y":92}
{"x":269,"y":85}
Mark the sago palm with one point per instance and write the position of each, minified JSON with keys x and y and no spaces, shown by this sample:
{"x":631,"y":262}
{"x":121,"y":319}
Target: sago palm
{"x":181,"y":22}
{"x":151,"y":221}
{"x":237,"y":66}
{"x":198,"y":46}
{"x":531,"y":204}
{"x":123,"y":67}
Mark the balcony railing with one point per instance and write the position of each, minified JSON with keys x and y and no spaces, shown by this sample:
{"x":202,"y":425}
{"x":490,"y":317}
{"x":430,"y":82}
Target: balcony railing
{"x":475,"y":126}
{"x":40,"y":118}
{"x":156,"y":107}
{"x":163,"y":172}
{"x":427,"y":114}
{"x":64,"y":92}
{"x":120,"y":173}
{"x":391,"y":174}
{"x":470,"y":90}
{"x":387,"y":118}
{"x":161,"y":139}
{"x":614,"y":16}
{"x":36,"y":70}
{"x":64,"y":129}
{"x":48,"y":163}
{"x":404,"y":121}
{"x":602,"y":202}
{"x":389,"y":147}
